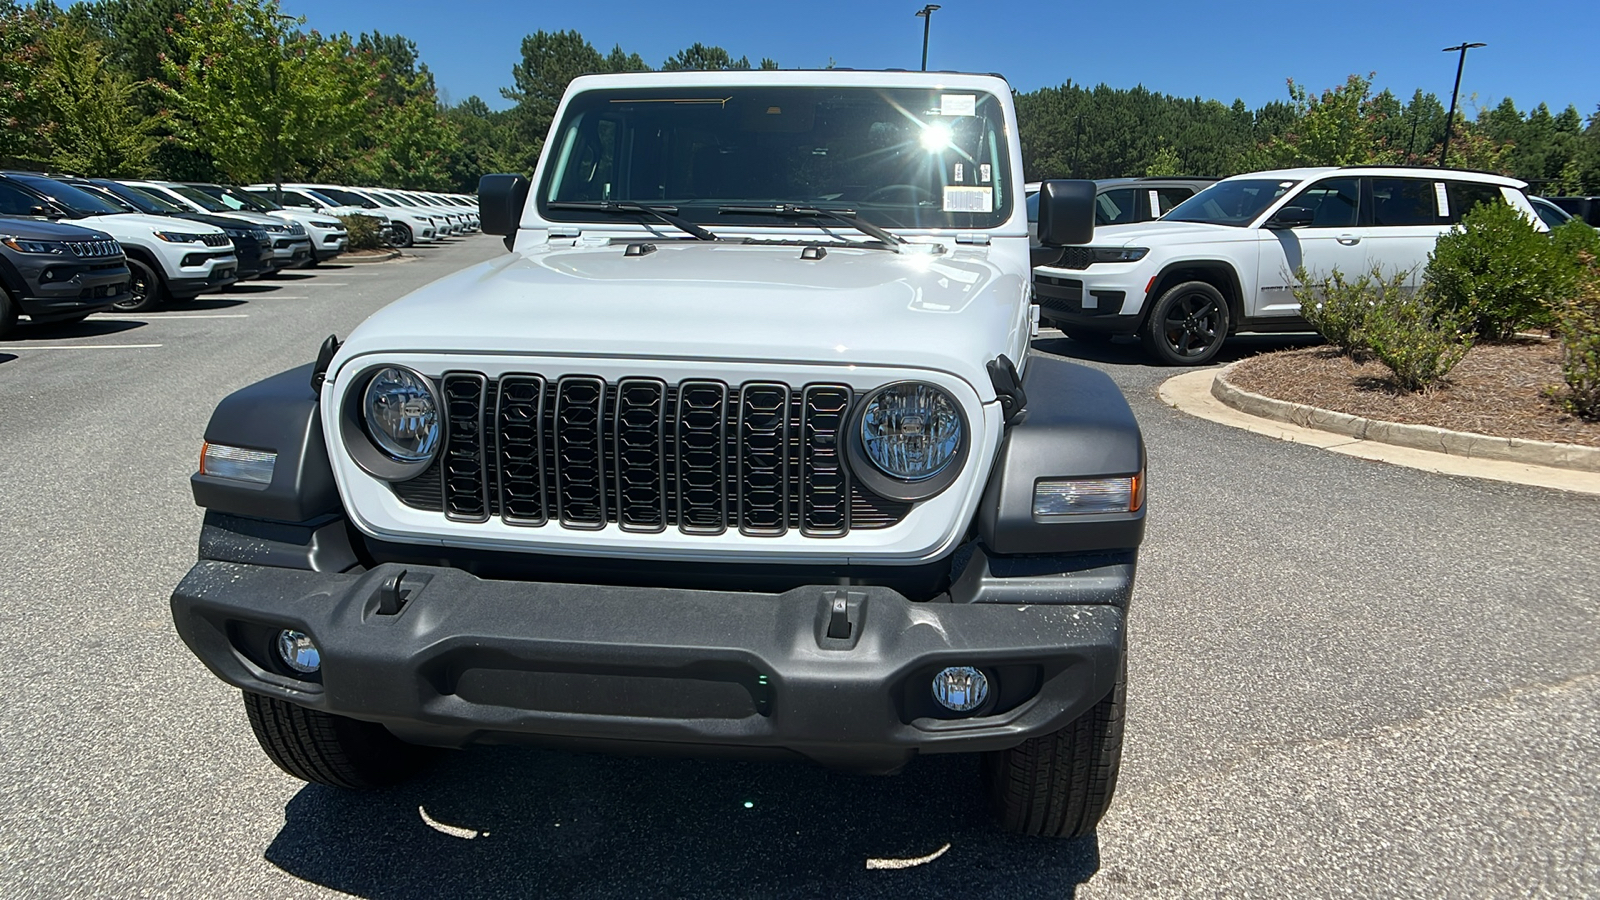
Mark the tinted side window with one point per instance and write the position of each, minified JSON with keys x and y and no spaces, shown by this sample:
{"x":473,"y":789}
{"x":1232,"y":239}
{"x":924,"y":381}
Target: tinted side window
{"x":1333,"y":202}
{"x":1167,"y":198}
{"x":1115,"y":207}
{"x":14,"y":202}
{"x":1404,"y":201}
{"x":1465,"y":195}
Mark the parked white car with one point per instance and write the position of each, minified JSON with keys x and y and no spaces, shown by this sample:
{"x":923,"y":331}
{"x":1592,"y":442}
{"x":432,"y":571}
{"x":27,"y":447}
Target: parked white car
{"x":328,"y":235}
{"x":445,"y":224}
{"x":1224,"y":260}
{"x":408,"y":226}
{"x":291,"y":246}
{"x":168,"y":258}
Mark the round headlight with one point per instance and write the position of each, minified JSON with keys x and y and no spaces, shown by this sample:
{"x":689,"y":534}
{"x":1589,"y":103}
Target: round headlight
{"x":911,"y":431}
{"x":402,"y":415}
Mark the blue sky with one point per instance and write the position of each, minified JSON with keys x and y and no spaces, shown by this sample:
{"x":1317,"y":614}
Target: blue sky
{"x":1537,"y":51}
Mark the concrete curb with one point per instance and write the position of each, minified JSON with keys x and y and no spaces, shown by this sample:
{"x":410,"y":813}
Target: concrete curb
{"x":364,"y":260}
{"x":1417,"y":437}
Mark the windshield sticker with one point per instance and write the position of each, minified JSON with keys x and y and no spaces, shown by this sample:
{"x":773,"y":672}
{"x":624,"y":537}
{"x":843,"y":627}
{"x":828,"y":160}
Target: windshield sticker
{"x":1443,"y":198}
{"x":960,"y":174}
{"x":958,"y":104}
{"x":984,"y":171}
{"x":968,"y":199}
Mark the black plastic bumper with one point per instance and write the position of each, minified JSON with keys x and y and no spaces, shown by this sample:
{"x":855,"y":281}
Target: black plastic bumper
{"x":220,"y":277}
{"x":467,"y":660}
{"x":73,"y":291}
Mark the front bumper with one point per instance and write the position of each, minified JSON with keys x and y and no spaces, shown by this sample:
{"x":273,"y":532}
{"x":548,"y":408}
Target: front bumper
{"x":73,"y":290}
{"x":1064,"y":298}
{"x":467,"y":660}
{"x":291,"y":252}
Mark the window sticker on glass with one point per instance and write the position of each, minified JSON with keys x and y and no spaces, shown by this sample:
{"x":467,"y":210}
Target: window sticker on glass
{"x":1443,"y":197}
{"x":984,"y":173}
{"x":968,"y":199}
{"x":961,"y":173}
{"x":958,"y":104}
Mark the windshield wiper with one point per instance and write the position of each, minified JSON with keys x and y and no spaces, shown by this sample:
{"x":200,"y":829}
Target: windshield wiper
{"x":667,"y":214}
{"x":842,"y":216}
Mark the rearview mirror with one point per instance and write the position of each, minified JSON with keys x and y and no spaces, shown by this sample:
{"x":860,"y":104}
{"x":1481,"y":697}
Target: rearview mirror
{"x":1066,"y":212}
{"x":500,"y":202}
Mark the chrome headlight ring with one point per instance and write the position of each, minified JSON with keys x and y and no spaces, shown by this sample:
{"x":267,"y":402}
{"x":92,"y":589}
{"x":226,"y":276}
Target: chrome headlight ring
{"x":373,"y":444}
{"x":909,"y":487}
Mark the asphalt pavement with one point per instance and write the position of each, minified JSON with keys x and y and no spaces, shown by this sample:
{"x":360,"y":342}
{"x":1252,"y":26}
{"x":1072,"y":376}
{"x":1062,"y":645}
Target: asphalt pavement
{"x":1346,"y":679}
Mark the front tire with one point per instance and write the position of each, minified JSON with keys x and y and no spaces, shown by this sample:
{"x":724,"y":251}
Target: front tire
{"x":333,"y":750}
{"x":402,"y":235}
{"x":8,"y":313}
{"x":1187,"y":325}
{"x":1060,"y":784}
{"x":145,"y":290}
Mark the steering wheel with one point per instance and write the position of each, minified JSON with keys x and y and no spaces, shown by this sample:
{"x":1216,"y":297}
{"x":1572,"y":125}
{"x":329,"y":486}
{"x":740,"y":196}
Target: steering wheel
{"x":918,"y":193}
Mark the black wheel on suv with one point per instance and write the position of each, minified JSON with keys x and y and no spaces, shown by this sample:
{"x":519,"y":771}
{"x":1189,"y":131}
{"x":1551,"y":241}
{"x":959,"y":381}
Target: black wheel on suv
{"x":145,"y":290}
{"x":333,"y":750}
{"x":8,"y":312}
{"x":1060,"y":784}
{"x":1187,"y":325}
{"x":402,"y":234}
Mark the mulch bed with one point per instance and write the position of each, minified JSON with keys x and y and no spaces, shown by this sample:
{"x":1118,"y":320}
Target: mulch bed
{"x":1498,"y":389}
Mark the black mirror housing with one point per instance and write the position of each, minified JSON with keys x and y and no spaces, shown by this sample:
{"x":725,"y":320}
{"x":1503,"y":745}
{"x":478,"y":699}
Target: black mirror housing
{"x":1066,"y":212}
{"x":500,"y":201}
{"x":1291,"y":217}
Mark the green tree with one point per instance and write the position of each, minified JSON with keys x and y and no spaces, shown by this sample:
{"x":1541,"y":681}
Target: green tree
{"x":619,"y":61}
{"x":265,"y":100}
{"x":1166,"y":162}
{"x":700,"y":58}
{"x":484,"y":145}
{"x":20,"y":61}
{"x":550,"y":60}
{"x":1341,"y":127}
{"x":94,"y":124}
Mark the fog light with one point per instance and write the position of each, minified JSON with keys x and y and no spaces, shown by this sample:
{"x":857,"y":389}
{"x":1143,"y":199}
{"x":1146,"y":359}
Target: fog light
{"x":1059,"y":498}
{"x":297,"y":651}
{"x":960,"y":688}
{"x":237,"y":463}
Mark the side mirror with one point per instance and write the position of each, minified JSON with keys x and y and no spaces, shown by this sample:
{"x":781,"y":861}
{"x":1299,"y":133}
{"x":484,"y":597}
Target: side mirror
{"x":1291,"y":217}
{"x":500,"y":202}
{"x":1066,"y":212}
{"x":41,"y":211}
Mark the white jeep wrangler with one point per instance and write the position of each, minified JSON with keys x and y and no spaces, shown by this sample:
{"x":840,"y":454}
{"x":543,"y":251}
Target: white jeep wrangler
{"x":741,"y":448}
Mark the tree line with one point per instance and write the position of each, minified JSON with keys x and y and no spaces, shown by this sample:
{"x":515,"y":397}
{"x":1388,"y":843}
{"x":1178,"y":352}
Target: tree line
{"x":235,"y":90}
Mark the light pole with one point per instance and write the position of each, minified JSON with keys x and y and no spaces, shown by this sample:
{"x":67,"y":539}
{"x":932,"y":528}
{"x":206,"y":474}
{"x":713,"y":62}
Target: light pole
{"x":926,"y":15}
{"x":1450,"y":120}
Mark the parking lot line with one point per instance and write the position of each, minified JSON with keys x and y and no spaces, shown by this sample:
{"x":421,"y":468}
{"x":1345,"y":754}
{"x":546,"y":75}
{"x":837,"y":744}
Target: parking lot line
{"x":104,"y":318}
{"x":79,"y":347}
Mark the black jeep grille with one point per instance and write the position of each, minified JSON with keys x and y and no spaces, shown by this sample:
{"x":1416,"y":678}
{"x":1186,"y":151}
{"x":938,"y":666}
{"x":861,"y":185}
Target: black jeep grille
{"x":216,"y":240}
{"x":704,"y":457}
{"x":94,"y":249}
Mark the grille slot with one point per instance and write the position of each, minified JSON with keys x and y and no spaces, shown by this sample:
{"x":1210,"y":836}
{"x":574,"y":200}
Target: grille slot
{"x":700,"y":456}
{"x":1075,"y":258}
{"x":579,"y":440}
{"x":466,"y":495}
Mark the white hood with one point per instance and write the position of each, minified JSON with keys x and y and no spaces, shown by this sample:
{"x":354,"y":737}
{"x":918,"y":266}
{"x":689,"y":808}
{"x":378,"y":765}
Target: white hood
{"x":948,"y":312}
{"x":140,"y":224}
{"x":1166,"y":234}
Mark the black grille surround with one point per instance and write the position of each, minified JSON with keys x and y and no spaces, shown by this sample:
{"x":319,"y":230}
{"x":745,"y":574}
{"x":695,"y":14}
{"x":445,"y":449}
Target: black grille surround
{"x":1075,"y":258}
{"x":700,"y":456}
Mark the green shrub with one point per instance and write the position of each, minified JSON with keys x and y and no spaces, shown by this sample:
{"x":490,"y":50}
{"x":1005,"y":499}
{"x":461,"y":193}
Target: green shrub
{"x":365,"y":233}
{"x":1338,"y":309}
{"x":1578,"y":324}
{"x":1497,"y":273}
{"x":1417,"y":338}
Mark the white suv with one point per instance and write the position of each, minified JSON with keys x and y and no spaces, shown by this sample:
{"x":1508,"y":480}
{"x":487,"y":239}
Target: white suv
{"x":1224,"y":260}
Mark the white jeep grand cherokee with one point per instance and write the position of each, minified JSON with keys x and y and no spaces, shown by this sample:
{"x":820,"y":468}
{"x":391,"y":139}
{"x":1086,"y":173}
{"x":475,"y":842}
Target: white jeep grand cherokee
{"x":1224,"y":260}
{"x":728,"y":454}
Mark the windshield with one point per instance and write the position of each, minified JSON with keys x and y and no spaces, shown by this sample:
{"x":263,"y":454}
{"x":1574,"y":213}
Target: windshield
{"x":907,"y":157}
{"x":1236,"y":202}
{"x":390,"y":199}
{"x":78,"y":201}
{"x":144,"y":201}
{"x":237,"y":199}
{"x":199,"y":198}
{"x":340,"y":197}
